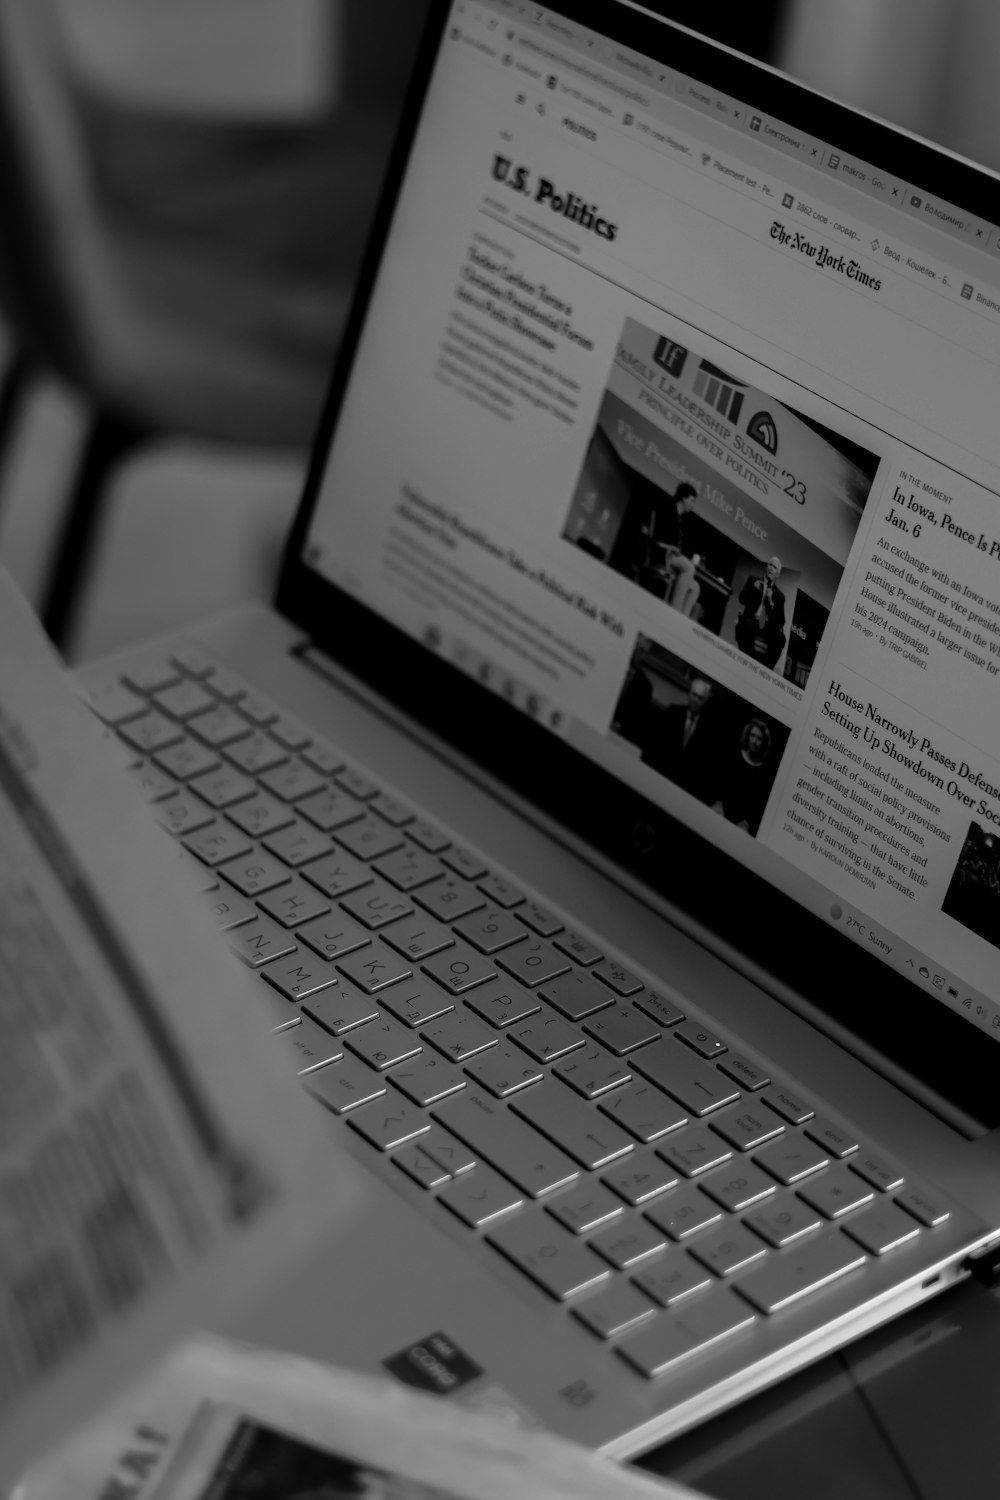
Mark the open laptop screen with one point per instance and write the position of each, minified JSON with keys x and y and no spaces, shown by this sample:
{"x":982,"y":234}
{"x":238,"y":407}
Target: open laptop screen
{"x":673,"y":426}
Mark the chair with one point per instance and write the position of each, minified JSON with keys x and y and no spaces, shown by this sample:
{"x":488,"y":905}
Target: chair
{"x":188,"y":278}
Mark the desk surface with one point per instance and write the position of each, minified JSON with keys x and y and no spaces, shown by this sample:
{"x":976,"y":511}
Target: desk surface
{"x":908,"y":1413}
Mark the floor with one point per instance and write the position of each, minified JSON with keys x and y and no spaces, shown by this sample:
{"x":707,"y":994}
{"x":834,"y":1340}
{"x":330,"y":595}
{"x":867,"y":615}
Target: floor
{"x":191,"y":530}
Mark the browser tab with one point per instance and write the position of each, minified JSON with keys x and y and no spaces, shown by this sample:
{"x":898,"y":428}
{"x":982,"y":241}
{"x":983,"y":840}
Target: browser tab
{"x":782,"y":136}
{"x":641,"y":67}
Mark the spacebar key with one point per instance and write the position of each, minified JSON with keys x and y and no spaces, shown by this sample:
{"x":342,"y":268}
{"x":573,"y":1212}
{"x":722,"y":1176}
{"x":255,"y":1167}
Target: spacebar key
{"x":795,"y":1273}
{"x":506,"y":1142}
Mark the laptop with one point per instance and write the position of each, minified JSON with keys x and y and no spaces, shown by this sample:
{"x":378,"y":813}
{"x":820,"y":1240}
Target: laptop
{"x":609,"y":806}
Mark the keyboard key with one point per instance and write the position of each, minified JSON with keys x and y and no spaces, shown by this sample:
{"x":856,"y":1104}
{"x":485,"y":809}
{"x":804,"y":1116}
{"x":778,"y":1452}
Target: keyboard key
{"x":791,"y":1160}
{"x":617,"y":977}
{"x":694,"y":1150}
{"x":783,"y":1279}
{"x":739,"y":1186}
{"x":151,"y":675}
{"x":591,"y":1072}
{"x":357,"y":783}
{"x":114,"y":703}
{"x":323,"y":758}
{"x":460,"y":1035}
{"x":337,"y":874}
{"x":539,"y":919}
{"x":503,"y":1070}
{"x":153,"y":731}
{"x":586,"y":1207}
{"x":480,"y":1196}
{"x":614,"y":1310}
{"x":293,"y":903}
{"x":293,"y":780}
{"x":449,"y":899}
{"x":259,"y":941}
{"x":923,"y":1208}
{"x":255,"y":753}
{"x":330,"y":809}
{"x":464,"y":863}
{"x":376,"y":905}
{"x":290,"y":732}
{"x":300,"y":975}
{"x":628,"y":1242}
{"x":580,"y":949}
{"x":674,"y":1336}
{"x":409,"y":868}
{"x":533,"y":963}
{"x":152,"y":782}
{"x":575,"y":996}
{"x":389,"y":1121}
{"x":383,"y":1042}
{"x":742,"y":1071}
{"x":427,"y":1078}
{"x":746,"y":1126}
{"x":182,"y":813}
{"x":341,"y":1008}
{"x":882,"y":1228}
{"x":417,"y":937}
{"x":186,"y":759}
{"x":621,"y":1029}
{"x":729,"y":1249}
{"x":502,"y":1003}
{"x":447,"y":1151}
{"x":683,"y":1212}
{"x":459,"y":968}
{"x":500,"y":891}
{"x":692,"y":1083}
{"x":831,"y":1137}
{"x":333,"y":935}
{"x":257,"y":709}
{"x":311,"y":1046}
{"x":183,"y":699}
{"x":431,"y":839}
{"x":836,"y":1192}
{"x":545,"y":1036}
{"x":877,"y":1171}
{"x":560,"y":1264}
{"x":788,"y":1105}
{"x":223,"y":788}
{"x":297,"y":843}
{"x":784,"y":1220}
{"x":490,"y":930}
{"x":590,"y":1138}
{"x":369,"y":837}
{"x":700,"y":1040}
{"x":673,"y":1278}
{"x":253,"y":873}
{"x":507,"y":1143}
{"x":345,"y":1085}
{"x":414,"y":1003}
{"x":260,"y":814}
{"x":644,"y":1110}
{"x":392,"y":811}
{"x":219,"y":726}
{"x":216,"y":843}
{"x":419,"y":1166}
{"x":373,"y":968}
{"x":639,"y":1178}
{"x":658,"y":1008}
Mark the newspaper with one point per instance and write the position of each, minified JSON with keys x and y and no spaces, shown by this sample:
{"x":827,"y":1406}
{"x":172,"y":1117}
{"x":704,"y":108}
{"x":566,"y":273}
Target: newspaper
{"x":222,"y":1422}
{"x":157,"y":1157}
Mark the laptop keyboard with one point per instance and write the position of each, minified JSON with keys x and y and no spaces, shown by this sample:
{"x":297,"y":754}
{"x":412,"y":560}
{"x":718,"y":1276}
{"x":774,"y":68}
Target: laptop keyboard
{"x":593,"y":1129}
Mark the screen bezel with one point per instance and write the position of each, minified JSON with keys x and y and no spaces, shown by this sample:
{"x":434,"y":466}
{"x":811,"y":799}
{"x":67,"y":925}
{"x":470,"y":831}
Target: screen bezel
{"x":808,"y":956}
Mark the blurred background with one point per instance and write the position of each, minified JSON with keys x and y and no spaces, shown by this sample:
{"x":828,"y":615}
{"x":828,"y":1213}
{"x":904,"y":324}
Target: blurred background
{"x":187,"y":191}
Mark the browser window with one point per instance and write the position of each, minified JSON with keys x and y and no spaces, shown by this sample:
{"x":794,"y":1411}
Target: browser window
{"x":687,"y":445}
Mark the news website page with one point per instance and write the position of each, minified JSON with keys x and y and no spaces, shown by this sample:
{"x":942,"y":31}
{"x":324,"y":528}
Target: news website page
{"x":651,"y":433}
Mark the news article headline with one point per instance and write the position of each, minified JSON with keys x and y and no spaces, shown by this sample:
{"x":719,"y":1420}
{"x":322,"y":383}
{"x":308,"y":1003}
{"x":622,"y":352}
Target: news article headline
{"x":451,"y":530}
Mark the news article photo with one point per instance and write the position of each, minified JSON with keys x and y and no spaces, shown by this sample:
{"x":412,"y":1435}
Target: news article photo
{"x":701,"y":736}
{"x":973,"y":894}
{"x":710,"y":494}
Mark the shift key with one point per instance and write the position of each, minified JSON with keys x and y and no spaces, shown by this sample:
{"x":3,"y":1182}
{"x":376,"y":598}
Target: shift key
{"x":507,"y":1143}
